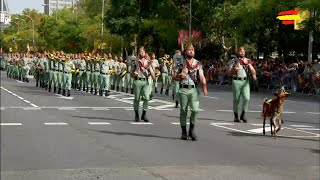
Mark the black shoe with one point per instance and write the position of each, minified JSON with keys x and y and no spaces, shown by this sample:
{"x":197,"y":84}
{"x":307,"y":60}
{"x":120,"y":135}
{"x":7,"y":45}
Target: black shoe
{"x":184,"y":135}
{"x":91,"y":90}
{"x":172,"y":96}
{"x":243,"y":117}
{"x":68,"y":93}
{"x":177,"y":104}
{"x":84,"y":88}
{"x":151,"y":96}
{"x":54,"y":89}
{"x":155,"y":90}
{"x":122,"y":89}
{"x":64,"y":92}
{"x":192,"y":134}
{"x":59,"y":91}
{"x":136,"y":118}
{"x":27,"y":80}
{"x":112,"y":87}
{"x":132,"y":91}
{"x":101,"y":93}
{"x":236,"y":117}
{"x":95,"y":92}
{"x":37,"y":84}
{"x":106,"y":93}
{"x":49,"y":89}
{"x":87,"y":90}
{"x":117,"y":88}
{"x":161,"y":90}
{"x":144,"y":117}
{"x":45,"y":87}
{"x":127,"y":90}
{"x":167,"y":92}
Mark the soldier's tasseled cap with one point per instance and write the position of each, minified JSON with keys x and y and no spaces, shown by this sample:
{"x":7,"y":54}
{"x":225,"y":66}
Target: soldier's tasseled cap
{"x":190,"y":45}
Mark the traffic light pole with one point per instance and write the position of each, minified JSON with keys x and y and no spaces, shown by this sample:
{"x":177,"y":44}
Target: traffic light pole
{"x":310,"y":40}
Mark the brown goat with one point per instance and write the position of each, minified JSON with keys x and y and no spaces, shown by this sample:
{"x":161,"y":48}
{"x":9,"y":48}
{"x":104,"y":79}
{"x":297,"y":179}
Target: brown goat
{"x":273,"y":108}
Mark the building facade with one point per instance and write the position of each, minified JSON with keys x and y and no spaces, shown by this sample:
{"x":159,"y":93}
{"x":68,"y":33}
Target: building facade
{"x":52,"y":5}
{"x":5,"y":17}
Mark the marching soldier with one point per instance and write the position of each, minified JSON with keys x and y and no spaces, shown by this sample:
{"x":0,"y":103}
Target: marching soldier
{"x":177,"y":69}
{"x":25,"y":68}
{"x":141,"y":72}
{"x":88,"y":73}
{"x":240,"y":69}
{"x":122,"y":71}
{"x":191,"y":75}
{"x":105,"y":68}
{"x":60,"y":60}
{"x":111,"y":75}
{"x":68,"y":66}
{"x":82,"y":74}
{"x":95,"y":75}
{"x":115,"y":75}
{"x":129,"y":80}
{"x":164,"y":74}
{"x":46,"y":70}
{"x":156,"y":67}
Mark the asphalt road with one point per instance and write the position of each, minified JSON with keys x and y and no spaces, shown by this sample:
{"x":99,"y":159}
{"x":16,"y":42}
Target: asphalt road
{"x":47,"y":136}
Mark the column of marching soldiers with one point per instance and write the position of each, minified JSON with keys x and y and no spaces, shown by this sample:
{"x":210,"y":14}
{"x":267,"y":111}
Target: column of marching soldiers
{"x":58,"y":72}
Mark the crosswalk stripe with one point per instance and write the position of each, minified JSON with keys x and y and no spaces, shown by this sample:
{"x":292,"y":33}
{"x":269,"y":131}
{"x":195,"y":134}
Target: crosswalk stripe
{"x":300,"y":126}
{"x":310,"y":129}
{"x":177,"y":123}
{"x":259,"y":130}
{"x":11,"y":124}
{"x":230,"y":124}
{"x":99,"y":123}
{"x":55,"y":123}
{"x":141,"y":123}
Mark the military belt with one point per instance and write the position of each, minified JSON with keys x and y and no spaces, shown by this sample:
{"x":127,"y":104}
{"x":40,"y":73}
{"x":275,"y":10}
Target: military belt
{"x":142,"y":79}
{"x":187,"y":86}
{"x":240,"y":78}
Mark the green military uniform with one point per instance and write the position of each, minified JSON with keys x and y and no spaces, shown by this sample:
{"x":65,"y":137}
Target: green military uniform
{"x":165,"y":77}
{"x":81,"y":65}
{"x":53,"y":74}
{"x":141,"y":89}
{"x":46,"y":72}
{"x":189,"y":97}
{"x":177,"y":68}
{"x":115,"y":76}
{"x":129,"y":79}
{"x":240,"y":87}
{"x":25,"y":68}
{"x":121,"y":76}
{"x":88,"y":73}
{"x":155,"y":65}
{"x":105,"y":77}
{"x":60,"y":74}
{"x":67,"y":77}
{"x":95,"y":76}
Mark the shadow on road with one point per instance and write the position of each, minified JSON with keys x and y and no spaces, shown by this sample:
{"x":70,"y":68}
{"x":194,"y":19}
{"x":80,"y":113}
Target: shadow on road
{"x":135,"y":134}
{"x":240,"y":134}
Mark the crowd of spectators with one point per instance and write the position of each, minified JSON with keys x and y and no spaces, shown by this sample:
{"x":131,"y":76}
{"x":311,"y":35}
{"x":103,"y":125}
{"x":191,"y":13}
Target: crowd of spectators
{"x":295,"y":75}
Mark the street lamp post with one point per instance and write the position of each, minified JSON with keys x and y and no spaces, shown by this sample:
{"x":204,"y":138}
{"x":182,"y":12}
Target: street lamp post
{"x":25,"y":22}
{"x":32,"y":30}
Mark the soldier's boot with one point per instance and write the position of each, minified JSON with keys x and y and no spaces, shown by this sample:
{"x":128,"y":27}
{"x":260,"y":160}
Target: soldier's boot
{"x":64,"y":92}
{"x":243,"y":117}
{"x":184,"y":135}
{"x":144,"y":116}
{"x":72,"y":85}
{"x":151,"y":96}
{"x":192,"y":134}
{"x":172,"y":96}
{"x":49,"y":89}
{"x":136,"y":118}
{"x":122,"y":89}
{"x":101,"y":92}
{"x":68,"y":93}
{"x":112,"y":87}
{"x":161,"y":90}
{"x":156,"y":90}
{"x":84,"y":88}
{"x":45,"y":86}
{"x":117,"y":88}
{"x":91,"y":90}
{"x":54,"y":89}
{"x":236,"y":117}
{"x":131,"y":90}
{"x":177,"y":104}
{"x":59,"y":91}
{"x":87,"y":90}
{"x":127,"y":90}
{"x":167,"y":92}
{"x":27,"y":80}
{"x":95,"y":92}
{"x":106,"y":93}
{"x":37,"y":83}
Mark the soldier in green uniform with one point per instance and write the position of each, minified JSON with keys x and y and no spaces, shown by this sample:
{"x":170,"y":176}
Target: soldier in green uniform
{"x":165,"y":74}
{"x":141,"y":72}
{"x":60,"y":59}
{"x":46,"y":70}
{"x":95,"y":75}
{"x":81,"y":65}
{"x":177,"y":68}
{"x":38,"y":68}
{"x":88,"y":72}
{"x":191,"y":75}
{"x":129,"y":80}
{"x":240,"y":69}
{"x":52,"y":73}
{"x":68,"y":66}
{"x":25,"y":68}
{"x":156,"y":66}
{"x":105,"y":77}
{"x":121,"y":71}
{"x":9,"y":66}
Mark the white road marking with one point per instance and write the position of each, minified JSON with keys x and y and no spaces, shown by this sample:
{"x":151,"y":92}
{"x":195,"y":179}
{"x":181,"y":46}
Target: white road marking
{"x":255,"y":111}
{"x":259,"y":124}
{"x":67,"y":109}
{"x":310,"y":129}
{"x":64,"y":97}
{"x":100,"y":109}
{"x":315,"y":135}
{"x":98,"y":123}
{"x":20,"y":82}
{"x":10,"y":124}
{"x":164,"y":106}
{"x":162,"y":109}
{"x":31,"y":108}
{"x":141,"y":123}
{"x":228,"y":124}
{"x":129,"y":109}
{"x":259,"y":130}
{"x":288,"y":112}
{"x":313,"y":112}
{"x":224,"y":110}
{"x":300,"y":126}
{"x":128,"y":98}
{"x":177,"y":123}
{"x":2,"y":109}
{"x":211,"y":97}
{"x":290,"y":100}
{"x":230,"y":128}
{"x":32,"y":104}
{"x":56,"y":123}
{"x":285,"y":112}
